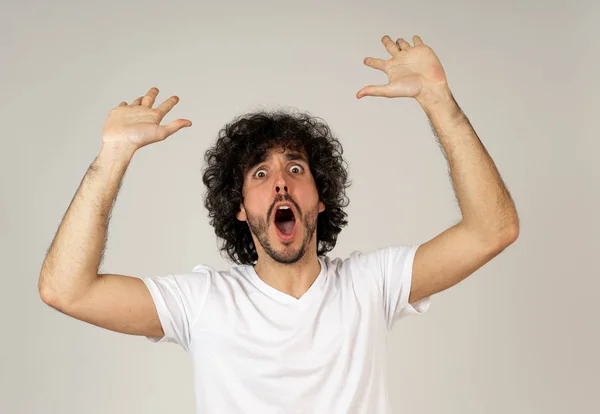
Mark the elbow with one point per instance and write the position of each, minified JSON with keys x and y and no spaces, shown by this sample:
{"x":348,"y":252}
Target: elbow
{"x":45,"y":283}
{"x":500,"y":239}
{"x":59,"y":295}
{"x":48,"y":295}
{"x":497,"y":230}
{"x":496,"y":238}
{"x":509,"y":232}
{"x":53,"y":300}
{"x":512,"y":234}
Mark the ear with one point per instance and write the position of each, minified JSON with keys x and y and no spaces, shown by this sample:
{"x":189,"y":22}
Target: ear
{"x":241,"y":215}
{"x":321,"y":207}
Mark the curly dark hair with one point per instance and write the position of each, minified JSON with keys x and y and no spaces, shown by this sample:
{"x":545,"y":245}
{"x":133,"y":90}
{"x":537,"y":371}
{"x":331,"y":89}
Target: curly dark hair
{"x":244,"y":141}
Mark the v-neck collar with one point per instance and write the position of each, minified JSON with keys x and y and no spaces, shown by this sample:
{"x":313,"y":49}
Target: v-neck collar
{"x":283,"y":297}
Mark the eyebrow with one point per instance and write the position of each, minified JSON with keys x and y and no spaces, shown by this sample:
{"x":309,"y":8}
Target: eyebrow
{"x":296,"y":156}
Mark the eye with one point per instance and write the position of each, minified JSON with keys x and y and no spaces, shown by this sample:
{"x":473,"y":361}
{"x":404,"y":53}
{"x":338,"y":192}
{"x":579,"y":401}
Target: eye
{"x":258,"y":173}
{"x":296,"y":167}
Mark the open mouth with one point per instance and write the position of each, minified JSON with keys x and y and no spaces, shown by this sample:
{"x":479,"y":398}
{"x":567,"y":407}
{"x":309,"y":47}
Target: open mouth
{"x":285,"y":220}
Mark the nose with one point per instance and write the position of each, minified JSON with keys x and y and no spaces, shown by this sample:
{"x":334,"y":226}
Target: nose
{"x":280,"y":184}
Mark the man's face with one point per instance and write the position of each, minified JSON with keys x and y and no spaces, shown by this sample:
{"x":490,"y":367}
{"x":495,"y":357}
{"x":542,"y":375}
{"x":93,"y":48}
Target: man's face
{"x":281,"y":205}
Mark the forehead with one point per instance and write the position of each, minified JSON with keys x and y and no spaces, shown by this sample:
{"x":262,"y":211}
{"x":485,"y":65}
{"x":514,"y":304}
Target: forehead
{"x":275,"y":153}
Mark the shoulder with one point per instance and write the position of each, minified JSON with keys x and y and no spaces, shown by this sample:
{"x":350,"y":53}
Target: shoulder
{"x":202,"y":273}
{"x":372,"y":261}
{"x":371,"y":268}
{"x":233,"y":281}
{"x":202,"y":277}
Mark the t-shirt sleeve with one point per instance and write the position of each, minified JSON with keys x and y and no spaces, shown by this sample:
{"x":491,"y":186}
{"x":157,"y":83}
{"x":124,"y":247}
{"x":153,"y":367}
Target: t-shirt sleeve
{"x":393,"y":267}
{"x":179,"y":299}
{"x":397,"y":280}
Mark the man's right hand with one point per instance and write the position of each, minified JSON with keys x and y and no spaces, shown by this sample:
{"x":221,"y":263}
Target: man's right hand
{"x":130,"y":127}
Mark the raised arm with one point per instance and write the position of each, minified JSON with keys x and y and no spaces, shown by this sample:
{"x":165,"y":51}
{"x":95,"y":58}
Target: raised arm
{"x":490,"y":221}
{"x":69,"y":279}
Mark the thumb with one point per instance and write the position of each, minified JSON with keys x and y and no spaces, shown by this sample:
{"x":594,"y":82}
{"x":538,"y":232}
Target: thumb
{"x":169,"y":129}
{"x":373,"y":90}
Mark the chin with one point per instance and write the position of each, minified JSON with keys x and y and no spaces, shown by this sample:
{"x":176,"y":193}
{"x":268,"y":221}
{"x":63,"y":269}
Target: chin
{"x":286,"y":257}
{"x":287,"y":254}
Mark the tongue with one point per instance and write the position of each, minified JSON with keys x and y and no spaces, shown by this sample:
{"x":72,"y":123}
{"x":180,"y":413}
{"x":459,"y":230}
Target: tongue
{"x":285,"y":227}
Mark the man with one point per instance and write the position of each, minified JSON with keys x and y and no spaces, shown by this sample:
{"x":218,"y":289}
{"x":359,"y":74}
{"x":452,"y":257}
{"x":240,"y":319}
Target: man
{"x":287,"y":330}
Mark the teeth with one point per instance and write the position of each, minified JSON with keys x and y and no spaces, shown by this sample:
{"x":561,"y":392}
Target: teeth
{"x":284,"y":208}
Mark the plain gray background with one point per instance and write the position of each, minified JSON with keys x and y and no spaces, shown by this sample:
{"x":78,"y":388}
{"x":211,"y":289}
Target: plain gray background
{"x":521,"y":335}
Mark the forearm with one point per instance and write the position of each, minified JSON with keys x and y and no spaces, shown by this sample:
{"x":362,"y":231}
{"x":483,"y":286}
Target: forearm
{"x":75,"y":254}
{"x":484,"y":200}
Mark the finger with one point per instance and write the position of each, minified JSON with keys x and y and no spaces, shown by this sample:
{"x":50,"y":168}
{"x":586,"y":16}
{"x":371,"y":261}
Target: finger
{"x":123,"y":103}
{"x":373,"y":90}
{"x":172,"y":127}
{"x":150,"y":97}
{"x":138,"y":101}
{"x":375,"y":63}
{"x":390,"y":45}
{"x":402,"y":44}
{"x":417,"y":40}
{"x":167,"y":105}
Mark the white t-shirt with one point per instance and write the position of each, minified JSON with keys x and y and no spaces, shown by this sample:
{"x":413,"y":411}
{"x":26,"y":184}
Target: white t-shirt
{"x":255,"y":349}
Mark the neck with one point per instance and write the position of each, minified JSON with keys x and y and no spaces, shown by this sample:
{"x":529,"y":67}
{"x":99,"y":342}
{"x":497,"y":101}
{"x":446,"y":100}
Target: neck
{"x":293,"y":279}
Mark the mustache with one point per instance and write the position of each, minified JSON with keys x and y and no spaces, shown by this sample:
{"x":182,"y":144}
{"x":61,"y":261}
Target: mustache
{"x":279,"y":198}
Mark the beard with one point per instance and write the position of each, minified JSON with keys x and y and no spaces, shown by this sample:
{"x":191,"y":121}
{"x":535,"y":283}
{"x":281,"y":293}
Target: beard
{"x":260,"y":227}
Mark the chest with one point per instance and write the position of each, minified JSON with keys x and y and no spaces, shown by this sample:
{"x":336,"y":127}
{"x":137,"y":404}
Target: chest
{"x":336,"y":325}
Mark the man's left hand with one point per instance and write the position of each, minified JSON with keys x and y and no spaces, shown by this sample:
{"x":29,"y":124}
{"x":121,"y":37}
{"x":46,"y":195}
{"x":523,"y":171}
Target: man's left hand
{"x":413,"y":71}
